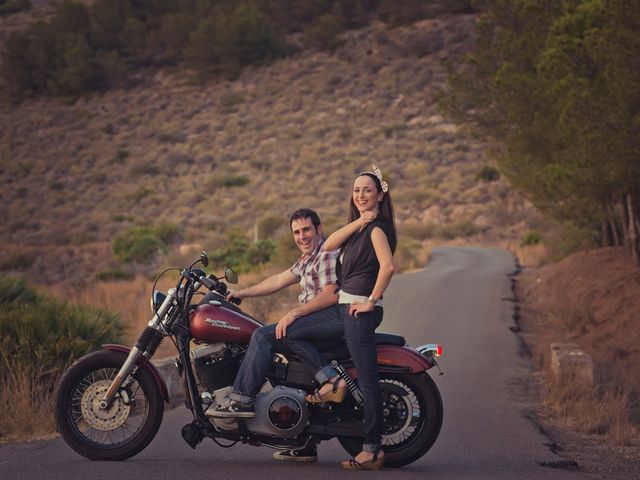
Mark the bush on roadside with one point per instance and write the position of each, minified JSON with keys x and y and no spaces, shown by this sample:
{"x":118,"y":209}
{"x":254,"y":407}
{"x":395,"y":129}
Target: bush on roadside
{"x":39,"y":338}
{"x":37,"y":329}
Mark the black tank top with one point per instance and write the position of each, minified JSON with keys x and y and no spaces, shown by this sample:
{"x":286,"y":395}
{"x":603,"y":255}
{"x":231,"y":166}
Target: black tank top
{"x":358,"y":265}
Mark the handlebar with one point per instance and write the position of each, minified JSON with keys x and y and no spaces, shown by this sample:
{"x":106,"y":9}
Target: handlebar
{"x":212,"y":283}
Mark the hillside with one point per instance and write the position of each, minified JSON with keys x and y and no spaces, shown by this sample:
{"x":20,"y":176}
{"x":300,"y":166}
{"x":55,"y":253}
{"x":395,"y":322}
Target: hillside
{"x":236,"y":153}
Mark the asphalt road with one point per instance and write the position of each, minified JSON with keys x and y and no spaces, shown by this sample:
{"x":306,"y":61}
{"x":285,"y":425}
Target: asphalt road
{"x":462,"y":300}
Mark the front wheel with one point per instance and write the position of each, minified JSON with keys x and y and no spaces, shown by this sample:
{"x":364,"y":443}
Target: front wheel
{"x":412,"y":409}
{"x":116,"y":433}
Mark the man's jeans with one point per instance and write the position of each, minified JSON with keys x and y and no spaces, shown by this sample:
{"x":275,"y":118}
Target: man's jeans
{"x":324,"y":324}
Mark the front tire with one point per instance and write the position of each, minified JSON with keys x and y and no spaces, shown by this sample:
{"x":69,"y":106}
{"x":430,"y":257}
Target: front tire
{"x":412,"y":418}
{"x":122,"y":431}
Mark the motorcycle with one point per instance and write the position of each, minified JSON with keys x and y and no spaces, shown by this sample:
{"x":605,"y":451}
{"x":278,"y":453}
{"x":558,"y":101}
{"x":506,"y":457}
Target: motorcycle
{"x":110,"y":403}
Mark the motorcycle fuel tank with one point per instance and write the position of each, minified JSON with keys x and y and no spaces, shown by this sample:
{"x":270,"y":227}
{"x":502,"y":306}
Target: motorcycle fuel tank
{"x":212,"y":322}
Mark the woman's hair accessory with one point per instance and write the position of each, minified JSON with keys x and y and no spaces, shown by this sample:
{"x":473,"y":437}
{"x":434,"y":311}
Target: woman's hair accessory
{"x":384,"y":185}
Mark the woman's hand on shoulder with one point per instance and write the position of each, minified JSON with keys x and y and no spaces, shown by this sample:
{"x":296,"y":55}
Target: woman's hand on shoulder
{"x":356,"y":308}
{"x":366,"y":218}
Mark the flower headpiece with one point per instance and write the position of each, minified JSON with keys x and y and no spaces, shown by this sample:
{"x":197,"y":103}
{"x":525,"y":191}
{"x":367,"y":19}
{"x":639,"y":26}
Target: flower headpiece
{"x":384,"y":185}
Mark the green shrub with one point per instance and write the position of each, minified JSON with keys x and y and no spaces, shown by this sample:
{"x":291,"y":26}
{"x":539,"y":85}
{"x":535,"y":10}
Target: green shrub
{"x":35,"y":329}
{"x":487,"y":174}
{"x":138,"y":244}
{"x":15,"y":290}
{"x":141,"y":244}
{"x":405,"y":12}
{"x":323,"y":34}
{"x":226,"y":41}
{"x":110,"y":70}
{"x":228,"y":181}
{"x":229,"y":101}
{"x":567,"y":237}
{"x":242,"y":255}
{"x":118,"y":217}
{"x":139,"y":193}
{"x":269,"y":225}
{"x":173,"y":36}
{"x":145,"y":169}
{"x":530,"y":238}
{"x":459,"y":229}
{"x":167,"y":232}
{"x":113,"y":274}
{"x":14,"y":6}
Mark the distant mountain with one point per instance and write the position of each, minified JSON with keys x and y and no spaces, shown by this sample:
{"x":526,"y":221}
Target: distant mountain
{"x":225,"y":154}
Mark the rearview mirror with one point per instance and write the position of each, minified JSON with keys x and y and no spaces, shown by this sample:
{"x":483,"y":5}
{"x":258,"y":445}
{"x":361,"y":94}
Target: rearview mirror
{"x":230,"y":276}
{"x":204,"y":258}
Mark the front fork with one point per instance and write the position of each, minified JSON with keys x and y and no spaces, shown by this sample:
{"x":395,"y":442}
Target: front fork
{"x":145,"y":347}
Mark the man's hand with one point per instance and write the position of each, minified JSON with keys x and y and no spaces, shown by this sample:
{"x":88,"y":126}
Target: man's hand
{"x":283,"y":323}
{"x":234,"y":294}
{"x":356,"y":308}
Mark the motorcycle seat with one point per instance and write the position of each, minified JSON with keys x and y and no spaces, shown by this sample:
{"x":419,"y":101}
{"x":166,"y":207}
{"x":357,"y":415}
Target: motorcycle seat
{"x":339,"y":351}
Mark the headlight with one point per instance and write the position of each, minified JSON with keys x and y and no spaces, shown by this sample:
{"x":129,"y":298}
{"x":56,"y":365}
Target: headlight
{"x":156,"y":300}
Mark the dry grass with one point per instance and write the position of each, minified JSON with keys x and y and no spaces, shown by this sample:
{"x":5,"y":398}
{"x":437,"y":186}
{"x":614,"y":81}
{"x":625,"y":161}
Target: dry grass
{"x":529,"y":255}
{"x":27,"y":399}
{"x":603,"y":410}
{"x":590,"y":299}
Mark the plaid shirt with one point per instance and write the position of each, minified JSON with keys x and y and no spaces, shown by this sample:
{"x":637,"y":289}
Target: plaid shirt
{"x":315,"y":271}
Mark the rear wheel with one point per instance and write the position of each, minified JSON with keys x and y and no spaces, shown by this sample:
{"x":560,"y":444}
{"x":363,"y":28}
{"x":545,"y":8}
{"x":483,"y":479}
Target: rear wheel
{"x":413,"y":412}
{"x":116,"y":433}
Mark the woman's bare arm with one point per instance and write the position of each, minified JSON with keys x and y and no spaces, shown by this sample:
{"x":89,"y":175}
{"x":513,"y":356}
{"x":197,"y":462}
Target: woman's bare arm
{"x":337,"y":238}
{"x":385,"y":259}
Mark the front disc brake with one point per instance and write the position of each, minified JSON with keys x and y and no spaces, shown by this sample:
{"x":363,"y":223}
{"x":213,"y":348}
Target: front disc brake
{"x":99,"y":418}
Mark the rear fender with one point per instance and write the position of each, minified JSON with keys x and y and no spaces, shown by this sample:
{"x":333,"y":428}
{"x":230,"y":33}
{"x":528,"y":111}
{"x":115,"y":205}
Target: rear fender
{"x":392,"y":356}
{"x":143,"y":363}
{"x":395,"y":359}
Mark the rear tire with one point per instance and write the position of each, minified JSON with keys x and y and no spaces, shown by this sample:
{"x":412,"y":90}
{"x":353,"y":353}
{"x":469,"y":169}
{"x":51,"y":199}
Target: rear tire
{"x":412,"y":418}
{"x":123,"y":430}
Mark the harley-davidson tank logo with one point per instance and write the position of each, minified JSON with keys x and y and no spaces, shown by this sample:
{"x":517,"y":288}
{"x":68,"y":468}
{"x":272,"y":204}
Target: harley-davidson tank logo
{"x":214,"y":322}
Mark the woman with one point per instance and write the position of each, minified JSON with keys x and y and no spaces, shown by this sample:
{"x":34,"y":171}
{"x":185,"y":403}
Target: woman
{"x":367,"y":244}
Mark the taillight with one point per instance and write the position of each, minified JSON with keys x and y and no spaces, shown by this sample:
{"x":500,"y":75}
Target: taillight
{"x":430,"y":350}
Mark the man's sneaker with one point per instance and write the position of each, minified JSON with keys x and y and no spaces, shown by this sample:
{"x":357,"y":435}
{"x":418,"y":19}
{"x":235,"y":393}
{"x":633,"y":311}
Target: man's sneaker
{"x":231,"y":409}
{"x":309,"y":454}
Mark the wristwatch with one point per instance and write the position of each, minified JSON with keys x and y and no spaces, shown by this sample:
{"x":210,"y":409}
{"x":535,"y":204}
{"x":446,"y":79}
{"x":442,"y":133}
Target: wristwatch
{"x":372,"y":299}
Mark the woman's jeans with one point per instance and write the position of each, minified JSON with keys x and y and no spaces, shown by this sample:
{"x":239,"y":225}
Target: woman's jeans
{"x":360,"y":335}
{"x":324,"y":324}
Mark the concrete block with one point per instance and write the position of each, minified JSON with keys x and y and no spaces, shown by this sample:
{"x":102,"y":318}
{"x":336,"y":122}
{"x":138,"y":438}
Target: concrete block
{"x":571,"y":365}
{"x":174,"y":382}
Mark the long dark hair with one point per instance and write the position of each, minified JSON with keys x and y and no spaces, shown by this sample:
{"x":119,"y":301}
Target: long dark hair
{"x":385,"y":210}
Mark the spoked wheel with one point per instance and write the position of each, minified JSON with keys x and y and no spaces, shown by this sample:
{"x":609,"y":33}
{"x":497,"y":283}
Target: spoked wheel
{"x":412,"y":409}
{"x":120,"y":431}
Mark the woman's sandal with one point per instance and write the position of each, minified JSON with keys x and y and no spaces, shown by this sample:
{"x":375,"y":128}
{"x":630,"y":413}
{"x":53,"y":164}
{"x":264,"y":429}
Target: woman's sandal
{"x":374,"y":464}
{"x":336,"y":394}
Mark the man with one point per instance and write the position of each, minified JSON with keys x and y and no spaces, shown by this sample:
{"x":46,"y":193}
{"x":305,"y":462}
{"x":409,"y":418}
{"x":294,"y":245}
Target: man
{"x":315,"y":270}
